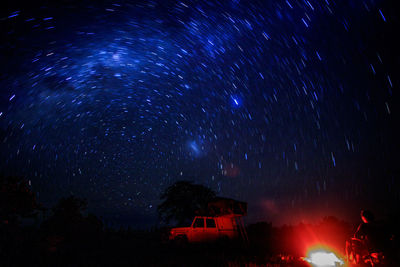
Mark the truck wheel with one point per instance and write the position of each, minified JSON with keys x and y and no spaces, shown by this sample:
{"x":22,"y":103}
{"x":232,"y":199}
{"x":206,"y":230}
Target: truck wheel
{"x":181,"y":240}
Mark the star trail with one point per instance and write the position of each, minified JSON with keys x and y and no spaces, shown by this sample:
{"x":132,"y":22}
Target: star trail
{"x":284,"y":104}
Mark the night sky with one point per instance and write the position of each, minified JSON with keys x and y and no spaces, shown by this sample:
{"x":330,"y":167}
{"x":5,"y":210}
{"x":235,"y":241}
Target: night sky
{"x":287,"y":105}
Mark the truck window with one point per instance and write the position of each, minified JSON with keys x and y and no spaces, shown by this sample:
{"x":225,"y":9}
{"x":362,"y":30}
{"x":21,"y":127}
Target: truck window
{"x":210,"y":223}
{"x":198,"y":223}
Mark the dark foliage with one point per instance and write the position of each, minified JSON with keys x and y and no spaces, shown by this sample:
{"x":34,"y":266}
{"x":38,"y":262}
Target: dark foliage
{"x":71,"y":207}
{"x":70,"y":238}
{"x":182,"y":200}
{"x":68,"y":221}
{"x":16,"y":199}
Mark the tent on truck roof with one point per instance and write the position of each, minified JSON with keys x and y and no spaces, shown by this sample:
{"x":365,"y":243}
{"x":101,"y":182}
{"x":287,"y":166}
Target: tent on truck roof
{"x":226,"y":206}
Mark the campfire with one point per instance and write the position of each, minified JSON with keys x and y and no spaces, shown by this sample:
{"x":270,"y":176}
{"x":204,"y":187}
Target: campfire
{"x":323,"y":257}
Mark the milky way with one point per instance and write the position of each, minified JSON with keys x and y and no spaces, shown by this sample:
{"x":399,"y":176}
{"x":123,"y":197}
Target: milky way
{"x":284,"y":104}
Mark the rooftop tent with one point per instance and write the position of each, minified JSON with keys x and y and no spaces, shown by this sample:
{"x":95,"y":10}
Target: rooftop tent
{"x":226,"y":206}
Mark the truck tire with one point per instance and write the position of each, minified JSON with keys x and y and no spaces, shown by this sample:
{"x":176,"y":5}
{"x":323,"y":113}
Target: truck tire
{"x":181,"y":240}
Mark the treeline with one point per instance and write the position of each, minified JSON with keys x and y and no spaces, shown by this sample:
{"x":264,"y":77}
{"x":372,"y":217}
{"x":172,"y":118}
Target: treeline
{"x":67,"y":236}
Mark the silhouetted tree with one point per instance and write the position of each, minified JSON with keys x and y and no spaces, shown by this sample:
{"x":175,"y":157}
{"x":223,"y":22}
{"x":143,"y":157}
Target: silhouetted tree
{"x":16,"y":199}
{"x":181,"y":200}
{"x":71,"y":207}
{"x":67,"y":215}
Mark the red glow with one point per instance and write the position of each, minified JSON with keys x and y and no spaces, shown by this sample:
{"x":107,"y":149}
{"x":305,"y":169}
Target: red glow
{"x":304,"y":236}
{"x":231,"y":170}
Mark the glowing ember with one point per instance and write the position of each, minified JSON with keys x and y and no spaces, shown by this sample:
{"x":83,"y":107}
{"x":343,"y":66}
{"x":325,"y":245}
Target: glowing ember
{"x":320,"y":258}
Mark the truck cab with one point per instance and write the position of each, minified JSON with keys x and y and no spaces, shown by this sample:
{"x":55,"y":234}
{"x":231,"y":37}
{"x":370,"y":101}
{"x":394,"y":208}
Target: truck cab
{"x":207,"y":229}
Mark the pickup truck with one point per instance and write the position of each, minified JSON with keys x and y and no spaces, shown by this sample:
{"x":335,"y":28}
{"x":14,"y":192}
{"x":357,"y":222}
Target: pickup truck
{"x":207,"y":229}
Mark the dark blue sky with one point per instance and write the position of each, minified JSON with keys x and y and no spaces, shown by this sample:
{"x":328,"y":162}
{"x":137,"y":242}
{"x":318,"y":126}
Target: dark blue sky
{"x":287,"y":105}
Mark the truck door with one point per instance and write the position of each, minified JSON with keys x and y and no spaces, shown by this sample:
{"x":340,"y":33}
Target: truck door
{"x":198,"y":230}
{"x":211,"y":230}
